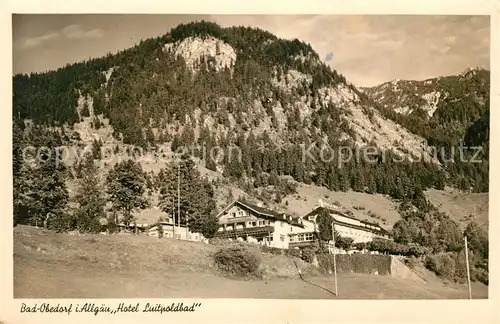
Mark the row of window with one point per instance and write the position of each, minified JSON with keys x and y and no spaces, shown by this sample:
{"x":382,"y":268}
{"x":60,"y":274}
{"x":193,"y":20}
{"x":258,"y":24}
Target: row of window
{"x":239,"y":213}
{"x":360,"y":235}
{"x":302,"y":237}
{"x":230,"y":227}
{"x":270,"y":238}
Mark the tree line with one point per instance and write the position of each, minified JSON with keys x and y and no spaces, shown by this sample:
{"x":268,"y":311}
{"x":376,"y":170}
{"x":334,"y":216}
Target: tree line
{"x":101,"y":202}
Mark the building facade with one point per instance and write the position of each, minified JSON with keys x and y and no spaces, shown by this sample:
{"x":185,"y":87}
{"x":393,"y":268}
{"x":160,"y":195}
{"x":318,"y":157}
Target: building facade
{"x":348,"y":226}
{"x":178,"y":232}
{"x":253,"y":223}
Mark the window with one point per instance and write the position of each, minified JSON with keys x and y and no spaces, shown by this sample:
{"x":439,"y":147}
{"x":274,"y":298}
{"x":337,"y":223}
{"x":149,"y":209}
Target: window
{"x":291,"y":229}
{"x":261,"y":223}
{"x":233,"y":214}
{"x":254,"y":223}
{"x":301,"y":237}
{"x":292,"y":238}
{"x":309,"y":236}
{"x":270,"y":238}
{"x":282,"y":238}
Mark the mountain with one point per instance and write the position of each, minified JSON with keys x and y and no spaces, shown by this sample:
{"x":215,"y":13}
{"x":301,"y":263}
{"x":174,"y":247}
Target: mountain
{"x":243,"y":88}
{"x":425,"y":97}
{"x":446,"y":111}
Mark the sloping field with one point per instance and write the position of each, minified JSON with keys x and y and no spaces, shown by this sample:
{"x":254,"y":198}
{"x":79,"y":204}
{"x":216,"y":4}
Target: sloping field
{"x":461,"y":207}
{"x":50,"y":265}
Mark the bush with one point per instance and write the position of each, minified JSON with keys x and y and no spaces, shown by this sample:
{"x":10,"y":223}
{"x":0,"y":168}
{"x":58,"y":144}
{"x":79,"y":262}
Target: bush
{"x":111,"y":224}
{"x":308,"y":254}
{"x":61,"y":222}
{"x":272,"y":250}
{"x":358,"y":263}
{"x":478,"y":274}
{"x":360,"y":246}
{"x":237,"y":261}
{"x":217,"y":241}
{"x":441,"y":264}
{"x":411,"y":262}
{"x":160,"y":230}
{"x":294,"y":253}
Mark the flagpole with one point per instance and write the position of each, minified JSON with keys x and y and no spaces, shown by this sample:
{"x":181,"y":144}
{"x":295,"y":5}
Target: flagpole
{"x":467,"y":264}
{"x":334,"y":261}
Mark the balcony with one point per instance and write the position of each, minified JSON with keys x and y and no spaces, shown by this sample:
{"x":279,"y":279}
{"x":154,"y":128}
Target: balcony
{"x":260,"y":231}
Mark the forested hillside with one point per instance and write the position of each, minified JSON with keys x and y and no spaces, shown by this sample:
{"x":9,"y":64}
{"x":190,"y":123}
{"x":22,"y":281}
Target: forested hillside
{"x":201,"y":85}
{"x":448,"y":112}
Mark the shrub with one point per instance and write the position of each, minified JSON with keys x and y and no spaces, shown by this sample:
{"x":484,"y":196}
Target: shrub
{"x":360,"y":246}
{"x":217,"y":241}
{"x":308,"y":254}
{"x":411,"y":262}
{"x":294,"y":253}
{"x":111,"y":224}
{"x":160,"y":230}
{"x":272,"y":250}
{"x":480,"y":275}
{"x":358,"y":263}
{"x":237,"y":261}
{"x":344,"y":243}
{"x":441,"y":264}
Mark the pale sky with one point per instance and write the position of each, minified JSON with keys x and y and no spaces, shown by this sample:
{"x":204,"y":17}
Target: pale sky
{"x":367,"y":50}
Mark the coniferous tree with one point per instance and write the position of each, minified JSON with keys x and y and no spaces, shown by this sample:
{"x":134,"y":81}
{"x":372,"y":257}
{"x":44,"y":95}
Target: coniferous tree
{"x":90,"y":200}
{"x":17,"y":164}
{"x":44,"y":194}
{"x":85,"y":110}
{"x":126,"y":184}
{"x":150,"y":136}
{"x":197,"y":203}
{"x":477,"y":239}
{"x":324,"y":221}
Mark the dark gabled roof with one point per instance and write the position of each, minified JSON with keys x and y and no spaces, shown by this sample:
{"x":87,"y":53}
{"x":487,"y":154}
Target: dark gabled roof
{"x":379,"y":229}
{"x":262,"y":211}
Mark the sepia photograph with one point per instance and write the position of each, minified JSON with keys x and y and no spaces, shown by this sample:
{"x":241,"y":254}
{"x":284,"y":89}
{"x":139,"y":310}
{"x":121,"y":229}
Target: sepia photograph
{"x":335,"y":157}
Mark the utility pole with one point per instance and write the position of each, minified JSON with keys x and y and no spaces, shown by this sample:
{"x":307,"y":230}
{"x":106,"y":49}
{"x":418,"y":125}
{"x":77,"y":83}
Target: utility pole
{"x":334,"y":261}
{"x":179,"y":193}
{"x":467,"y":264}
